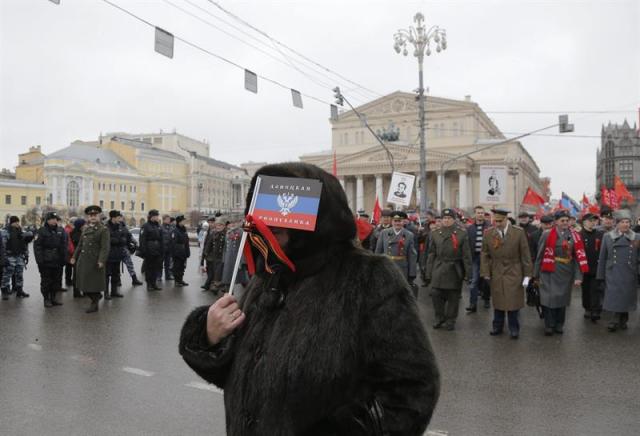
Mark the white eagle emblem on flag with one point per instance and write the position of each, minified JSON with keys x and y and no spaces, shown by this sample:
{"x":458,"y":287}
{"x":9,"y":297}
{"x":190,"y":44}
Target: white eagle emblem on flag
{"x":286,"y":202}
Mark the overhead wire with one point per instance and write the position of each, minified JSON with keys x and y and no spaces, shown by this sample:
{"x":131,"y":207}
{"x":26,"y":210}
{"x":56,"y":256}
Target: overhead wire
{"x":209,"y":52}
{"x":296,"y":52}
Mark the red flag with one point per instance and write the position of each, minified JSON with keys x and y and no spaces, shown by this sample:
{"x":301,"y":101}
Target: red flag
{"x":614,"y":200}
{"x":377,"y":212}
{"x":621,"y":190}
{"x":585,"y":202}
{"x":334,"y":170}
{"x":605,"y":197}
{"x":533,"y":198}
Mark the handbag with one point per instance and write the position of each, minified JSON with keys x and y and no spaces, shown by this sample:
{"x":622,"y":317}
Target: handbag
{"x":533,"y":296}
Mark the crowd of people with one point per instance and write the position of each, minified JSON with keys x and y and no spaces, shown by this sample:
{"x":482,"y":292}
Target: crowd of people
{"x":87,"y":255}
{"x":506,"y":263}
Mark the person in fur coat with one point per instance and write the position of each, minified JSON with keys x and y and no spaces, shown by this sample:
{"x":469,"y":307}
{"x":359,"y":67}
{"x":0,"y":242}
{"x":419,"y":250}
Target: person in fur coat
{"x":334,"y":348}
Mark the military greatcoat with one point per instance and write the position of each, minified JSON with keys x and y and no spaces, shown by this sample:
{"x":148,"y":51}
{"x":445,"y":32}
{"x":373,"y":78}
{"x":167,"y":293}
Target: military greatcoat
{"x":618,"y":267}
{"x":92,"y":249}
{"x":449,"y":258}
{"x":506,"y":260}
{"x":401,"y":249}
{"x":556,"y":286}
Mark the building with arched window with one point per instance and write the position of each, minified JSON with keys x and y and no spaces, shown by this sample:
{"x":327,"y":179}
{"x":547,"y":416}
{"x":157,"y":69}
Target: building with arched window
{"x":619,"y":155}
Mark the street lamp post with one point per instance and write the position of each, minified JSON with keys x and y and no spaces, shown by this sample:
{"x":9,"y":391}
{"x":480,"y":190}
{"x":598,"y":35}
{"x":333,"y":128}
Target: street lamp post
{"x":514,"y":170}
{"x":421,"y":40}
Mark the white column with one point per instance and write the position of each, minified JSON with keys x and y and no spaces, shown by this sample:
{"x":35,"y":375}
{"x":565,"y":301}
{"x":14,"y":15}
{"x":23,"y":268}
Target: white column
{"x":462,"y":187}
{"x":379,"y":189}
{"x":439,"y":192}
{"x":359,"y":193}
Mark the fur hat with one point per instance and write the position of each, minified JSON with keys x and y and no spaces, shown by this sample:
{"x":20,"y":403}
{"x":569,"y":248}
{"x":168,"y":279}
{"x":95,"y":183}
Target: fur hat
{"x":335,"y":226}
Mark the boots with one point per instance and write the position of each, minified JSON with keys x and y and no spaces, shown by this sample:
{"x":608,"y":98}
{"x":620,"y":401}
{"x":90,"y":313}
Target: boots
{"x":624,"y":317}
{"x":114,"y":292}
{"x":106,"y":293}
{"x":5,"y":294}
{"x":135,"y":281}
{"x":54,"y":302}
{"x":21,"y":294}
{"x":93,"y":307}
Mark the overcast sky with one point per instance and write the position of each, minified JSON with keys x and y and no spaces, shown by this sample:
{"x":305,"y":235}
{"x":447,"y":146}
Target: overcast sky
{"x":72,"y":71}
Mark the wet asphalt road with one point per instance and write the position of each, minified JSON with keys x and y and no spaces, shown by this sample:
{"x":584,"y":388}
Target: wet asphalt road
{"x":118,"y":372}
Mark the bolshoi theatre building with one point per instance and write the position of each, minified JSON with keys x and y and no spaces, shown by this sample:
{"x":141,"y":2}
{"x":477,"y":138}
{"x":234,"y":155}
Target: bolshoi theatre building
{"x":454,"y":127}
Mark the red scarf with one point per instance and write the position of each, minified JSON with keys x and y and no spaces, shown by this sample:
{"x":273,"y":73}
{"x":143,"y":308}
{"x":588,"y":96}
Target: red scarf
{"x":548,"y":260}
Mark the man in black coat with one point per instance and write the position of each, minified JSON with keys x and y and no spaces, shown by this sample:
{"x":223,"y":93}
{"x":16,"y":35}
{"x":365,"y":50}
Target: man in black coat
{"x":118,"y":244}
{"x":152,"y":249}
{"x":335,"y":348}
{"x":15,"y":257}
{"x":532,"y":232}
{"x":167,"y":261}
{"x":475,"y":231}
{"x":50,"y":248}
{"x":592,"y":289}
{"x":179,"y":248}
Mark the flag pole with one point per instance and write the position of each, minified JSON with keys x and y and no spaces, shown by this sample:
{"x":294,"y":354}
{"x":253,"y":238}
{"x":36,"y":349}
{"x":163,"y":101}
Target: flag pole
{"x":243,"y":239}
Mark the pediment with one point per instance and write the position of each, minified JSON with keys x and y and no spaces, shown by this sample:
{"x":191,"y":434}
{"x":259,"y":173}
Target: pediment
{"x":402,"y":103}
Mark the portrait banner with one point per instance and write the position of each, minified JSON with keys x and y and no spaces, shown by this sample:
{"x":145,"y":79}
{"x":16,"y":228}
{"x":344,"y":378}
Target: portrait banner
{"x":401,"y":188}
{"x":493,"y":184}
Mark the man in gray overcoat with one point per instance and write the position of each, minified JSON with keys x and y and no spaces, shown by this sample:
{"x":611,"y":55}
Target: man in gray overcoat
{"x":90,"y":258}
{"x":231,"y":248}
{"x":618,"y":267}
{"x":398,"y":244}
{"x":558,"y":268}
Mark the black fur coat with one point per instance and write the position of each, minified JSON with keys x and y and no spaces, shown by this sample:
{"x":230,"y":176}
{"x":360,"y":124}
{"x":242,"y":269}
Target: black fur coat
{"x":322,"y":345}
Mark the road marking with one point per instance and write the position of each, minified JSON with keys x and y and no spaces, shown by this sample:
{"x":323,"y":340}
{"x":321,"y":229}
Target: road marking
{"x":35,"y":347}
{"x":138,"y":371}
{"x":83,"y":359}
{"x":204,"y":387}
{"x":436,"y":433}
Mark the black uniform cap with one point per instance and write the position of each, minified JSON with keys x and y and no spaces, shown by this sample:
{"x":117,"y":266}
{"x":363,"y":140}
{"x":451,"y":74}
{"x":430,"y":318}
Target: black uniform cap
{"x":14,"y":219}
{"x":154,"y":212}
{"x":589,"y":216}
{"x":398,"y":215}
{"x":51,"y":215}
{"x":92,"y":209}
{"x":114,"y":213}
{"x":562,"y":214}
{"x":449,"y":212}
{"x":180,"y":218}
{"x":546,"y":219}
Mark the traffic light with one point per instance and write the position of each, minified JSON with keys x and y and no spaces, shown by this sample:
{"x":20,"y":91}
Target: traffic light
{"x":564,"y":125}
{"x":338,"y":96}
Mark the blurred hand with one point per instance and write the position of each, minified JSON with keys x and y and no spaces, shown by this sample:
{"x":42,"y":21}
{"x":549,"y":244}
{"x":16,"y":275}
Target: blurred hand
{"x":577,"y":282}
{"x":72,"y":261}
{"x":223,"y":318}
{"x":100,"y":265}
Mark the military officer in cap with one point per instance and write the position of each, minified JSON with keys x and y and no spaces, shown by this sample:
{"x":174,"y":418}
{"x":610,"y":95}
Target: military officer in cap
{"x":118,"y":245}
{"x":385,"y":223}
{"x":90,"y":258}
{"x":618,"y":268}
{"x":559,"y":266}
{"x":180,"y":250}
{"x":51,"y":252}
{"x":399,"y":244}
{"x":506,"y":263}
{"x":152,"y":249}
{"x":607,"y":222}
{"x":448,"y":265}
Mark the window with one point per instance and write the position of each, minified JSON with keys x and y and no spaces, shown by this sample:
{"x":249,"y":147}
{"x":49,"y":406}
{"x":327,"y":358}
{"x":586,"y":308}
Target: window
{"x":626,"y":165}
{"x":113,"y":204}
{"x":7,"y":199}
{"x":23,"y":200}
{"x":38,"y":201}
{"x":455,"y":128}
{"x":73,"y":194}
{"x":142,"y":206}
{"x":135,"y":188}
{"x":101,"y":204}
{"x":122,"y":205}
{"x":133,"y":205}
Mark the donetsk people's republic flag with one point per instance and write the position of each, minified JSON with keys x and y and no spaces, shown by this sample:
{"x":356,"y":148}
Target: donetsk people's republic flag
{"x":288,"y":202}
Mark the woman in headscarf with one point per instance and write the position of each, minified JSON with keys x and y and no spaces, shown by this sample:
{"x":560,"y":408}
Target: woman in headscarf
{"x":326,"y":340}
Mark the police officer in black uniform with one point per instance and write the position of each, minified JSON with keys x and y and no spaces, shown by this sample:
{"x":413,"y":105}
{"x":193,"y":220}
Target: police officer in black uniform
{"x":50,"y":248}
{"x":152,"y":249}
{"x":179,"y":249}
{"x":167,"y":227}
{"x":118,"y":243}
